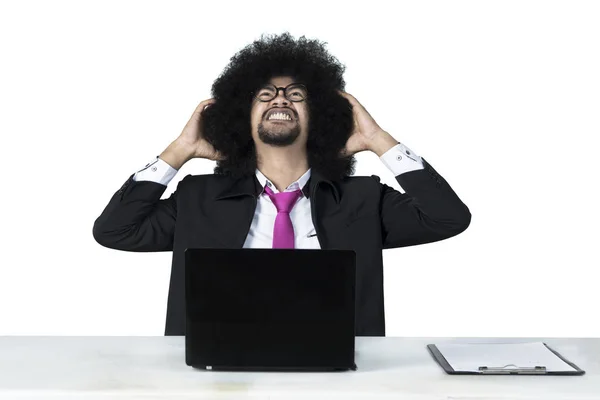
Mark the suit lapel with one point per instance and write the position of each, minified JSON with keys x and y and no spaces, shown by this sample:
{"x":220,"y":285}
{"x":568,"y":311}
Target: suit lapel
{"x":325,"y":209}
{"x":236,"y":205}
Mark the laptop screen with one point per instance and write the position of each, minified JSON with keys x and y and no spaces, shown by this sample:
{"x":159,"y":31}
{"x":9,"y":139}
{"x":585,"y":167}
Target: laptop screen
{"x":270,"y":308}
{"x":270,"y":285}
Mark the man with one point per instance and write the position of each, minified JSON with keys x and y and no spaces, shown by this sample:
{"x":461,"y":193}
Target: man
{"x":283,"y":134}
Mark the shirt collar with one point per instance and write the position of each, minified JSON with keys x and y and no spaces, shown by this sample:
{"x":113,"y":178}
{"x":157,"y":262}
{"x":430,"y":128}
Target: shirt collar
{"x":250,"y":186}
{"x":298,"y":184}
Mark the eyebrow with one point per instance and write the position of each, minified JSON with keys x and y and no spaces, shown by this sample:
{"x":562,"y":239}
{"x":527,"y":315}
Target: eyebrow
{"x":268,"y":84}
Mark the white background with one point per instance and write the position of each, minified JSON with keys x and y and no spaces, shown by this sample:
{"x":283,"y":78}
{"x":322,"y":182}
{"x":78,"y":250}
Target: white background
{"x":501,"y":97}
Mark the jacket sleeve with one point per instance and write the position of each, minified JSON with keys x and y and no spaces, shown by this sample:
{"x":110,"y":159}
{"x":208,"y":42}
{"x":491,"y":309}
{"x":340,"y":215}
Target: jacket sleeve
{"x":135,"y":218}
{"x":429,"y":211}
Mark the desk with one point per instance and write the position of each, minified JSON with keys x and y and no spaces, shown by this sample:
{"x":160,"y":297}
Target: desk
{"x":81,"y":367}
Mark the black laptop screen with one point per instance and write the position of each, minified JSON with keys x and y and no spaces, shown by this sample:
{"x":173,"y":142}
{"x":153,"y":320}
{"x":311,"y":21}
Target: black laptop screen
{"x":269,"y":285}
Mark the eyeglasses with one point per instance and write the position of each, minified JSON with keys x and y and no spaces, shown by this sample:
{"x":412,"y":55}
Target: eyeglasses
{"x":295,"y":92}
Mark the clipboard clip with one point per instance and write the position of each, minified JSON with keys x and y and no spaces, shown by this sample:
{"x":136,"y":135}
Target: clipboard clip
{"x":512,"y":369}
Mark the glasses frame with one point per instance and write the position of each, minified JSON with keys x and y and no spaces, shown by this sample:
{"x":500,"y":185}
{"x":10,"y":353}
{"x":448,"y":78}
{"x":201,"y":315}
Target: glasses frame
{"x":277,"y":89}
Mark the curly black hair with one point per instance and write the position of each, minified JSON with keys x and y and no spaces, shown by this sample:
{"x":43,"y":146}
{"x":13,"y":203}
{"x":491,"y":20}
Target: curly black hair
{"x":226,"y":123}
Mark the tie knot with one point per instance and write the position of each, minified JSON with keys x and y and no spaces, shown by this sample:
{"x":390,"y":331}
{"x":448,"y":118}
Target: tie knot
{"x":284,"y":201}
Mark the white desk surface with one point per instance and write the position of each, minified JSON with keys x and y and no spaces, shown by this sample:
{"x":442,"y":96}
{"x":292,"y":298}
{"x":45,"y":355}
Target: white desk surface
{"x":135,"y":367}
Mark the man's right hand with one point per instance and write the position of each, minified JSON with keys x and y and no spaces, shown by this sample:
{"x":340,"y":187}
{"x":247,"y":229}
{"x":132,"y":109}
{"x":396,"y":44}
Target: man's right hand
{"x":191,"y":142}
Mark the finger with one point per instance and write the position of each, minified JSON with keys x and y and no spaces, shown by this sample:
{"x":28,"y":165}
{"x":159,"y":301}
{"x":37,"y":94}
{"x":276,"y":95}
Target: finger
{"x":206,"y":103}
{"x":202,"y":106}
{"x":356,"y":105}
{"x":345,"y":95}
{"x":352,"y":99}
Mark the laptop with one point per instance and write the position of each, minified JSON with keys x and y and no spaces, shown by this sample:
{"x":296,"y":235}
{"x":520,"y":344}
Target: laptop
{"x":259,"y":309}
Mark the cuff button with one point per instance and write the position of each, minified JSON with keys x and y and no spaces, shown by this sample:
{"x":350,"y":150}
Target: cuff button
{"x":398,"y":158}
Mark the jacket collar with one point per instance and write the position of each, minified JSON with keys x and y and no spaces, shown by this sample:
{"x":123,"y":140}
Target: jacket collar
{"x":300,"y":182}
{"x":250,"y":186}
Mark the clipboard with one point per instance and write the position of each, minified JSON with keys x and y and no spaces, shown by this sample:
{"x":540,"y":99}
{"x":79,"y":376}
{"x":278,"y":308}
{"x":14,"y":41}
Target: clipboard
{"x":508,"y":369}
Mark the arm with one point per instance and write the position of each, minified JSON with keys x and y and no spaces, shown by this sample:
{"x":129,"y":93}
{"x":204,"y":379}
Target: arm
{"x":135,"y":218}
{"x":429,"y":211}
{"x":157,"y":170}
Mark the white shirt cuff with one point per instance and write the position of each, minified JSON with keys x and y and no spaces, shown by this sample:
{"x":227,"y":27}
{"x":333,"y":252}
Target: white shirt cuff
{"x":157,"y":171}
{"x":400,"y":159}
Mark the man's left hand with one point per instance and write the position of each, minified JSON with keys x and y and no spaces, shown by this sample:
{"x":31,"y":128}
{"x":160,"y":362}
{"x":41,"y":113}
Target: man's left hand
{"x":366,"y":133}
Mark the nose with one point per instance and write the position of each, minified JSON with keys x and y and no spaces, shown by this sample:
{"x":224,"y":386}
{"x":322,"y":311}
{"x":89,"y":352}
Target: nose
{"x":280,"y":97}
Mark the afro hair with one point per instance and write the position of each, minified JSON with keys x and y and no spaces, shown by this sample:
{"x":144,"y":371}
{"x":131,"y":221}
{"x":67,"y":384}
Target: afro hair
{"x":226,"y":123}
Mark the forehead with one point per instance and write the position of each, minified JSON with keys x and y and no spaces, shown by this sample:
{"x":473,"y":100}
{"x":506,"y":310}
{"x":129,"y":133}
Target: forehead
{"x":281,"y":80}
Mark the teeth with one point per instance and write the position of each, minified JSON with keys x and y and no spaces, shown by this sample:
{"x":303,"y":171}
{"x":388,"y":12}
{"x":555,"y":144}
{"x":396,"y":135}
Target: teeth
{"x":280,"y":116}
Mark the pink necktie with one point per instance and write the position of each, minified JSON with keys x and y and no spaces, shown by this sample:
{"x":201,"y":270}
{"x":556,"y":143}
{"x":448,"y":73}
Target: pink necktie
{"x":283,"y":232}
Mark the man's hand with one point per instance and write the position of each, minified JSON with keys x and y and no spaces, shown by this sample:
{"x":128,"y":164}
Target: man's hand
{"x":367,"y":134}
{"x":191,"y":142}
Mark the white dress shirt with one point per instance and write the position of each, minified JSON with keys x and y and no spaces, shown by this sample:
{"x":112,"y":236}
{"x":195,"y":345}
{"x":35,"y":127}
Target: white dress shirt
{"x":399,"y":159}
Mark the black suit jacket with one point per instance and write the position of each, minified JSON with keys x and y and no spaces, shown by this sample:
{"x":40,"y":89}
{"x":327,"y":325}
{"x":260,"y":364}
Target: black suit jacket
{"x":357,"y":213}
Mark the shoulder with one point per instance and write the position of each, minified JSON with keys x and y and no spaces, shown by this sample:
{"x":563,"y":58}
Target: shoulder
{"x":360,"y":185}
{"x":360,"y":181}
{"x":203,"y":181}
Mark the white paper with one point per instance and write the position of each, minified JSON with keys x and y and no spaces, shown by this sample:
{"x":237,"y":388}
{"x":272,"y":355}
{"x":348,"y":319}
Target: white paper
{"x":469,"y":357}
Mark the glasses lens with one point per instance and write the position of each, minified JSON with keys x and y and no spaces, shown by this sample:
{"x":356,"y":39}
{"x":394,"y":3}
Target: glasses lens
{"x":267,"y":93}
{"x":296,"y":92}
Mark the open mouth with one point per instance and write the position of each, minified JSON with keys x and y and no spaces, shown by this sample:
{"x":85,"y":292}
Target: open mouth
{"x":280,"y":116}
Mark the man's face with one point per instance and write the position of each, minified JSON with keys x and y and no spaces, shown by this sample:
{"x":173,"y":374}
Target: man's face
{"x":276,"y":131}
